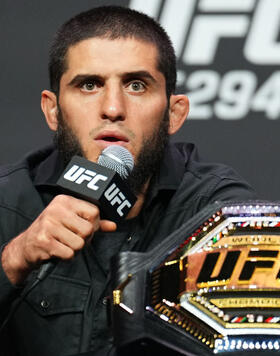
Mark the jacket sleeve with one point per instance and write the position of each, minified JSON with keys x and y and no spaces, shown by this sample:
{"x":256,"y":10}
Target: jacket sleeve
{"x":232,"y":189}
{"x":9,"y":292}
{"x":11,"y":224}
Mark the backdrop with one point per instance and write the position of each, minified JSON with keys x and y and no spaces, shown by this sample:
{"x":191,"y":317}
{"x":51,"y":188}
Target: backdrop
{"x":228,"y":63}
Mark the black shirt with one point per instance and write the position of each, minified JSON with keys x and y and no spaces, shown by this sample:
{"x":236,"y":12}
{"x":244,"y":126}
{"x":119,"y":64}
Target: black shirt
{"x":66,"y":313}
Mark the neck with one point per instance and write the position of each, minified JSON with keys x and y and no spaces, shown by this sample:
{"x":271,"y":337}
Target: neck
{"x":139,"y":202}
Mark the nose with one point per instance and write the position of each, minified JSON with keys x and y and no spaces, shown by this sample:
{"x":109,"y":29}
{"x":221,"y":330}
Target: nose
{"x":113,"y":104}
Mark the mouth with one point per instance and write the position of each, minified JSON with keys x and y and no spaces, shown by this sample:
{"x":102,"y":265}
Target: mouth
{"x":111,"y":137}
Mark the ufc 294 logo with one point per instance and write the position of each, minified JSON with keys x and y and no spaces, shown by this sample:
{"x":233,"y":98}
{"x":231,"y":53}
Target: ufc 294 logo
{"x":199,"y":29}
{"x":80,"y":175}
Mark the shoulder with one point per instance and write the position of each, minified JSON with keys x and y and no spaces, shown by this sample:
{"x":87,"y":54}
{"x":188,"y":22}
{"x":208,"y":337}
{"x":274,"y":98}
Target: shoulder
{"x":14,"y":180}
{"x":200,"y":168}
{"x":18,"y":194}
{"x":211,"y":181}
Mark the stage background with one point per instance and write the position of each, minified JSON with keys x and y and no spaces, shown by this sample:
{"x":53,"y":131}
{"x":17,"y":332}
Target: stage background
{"x":228,"y":63}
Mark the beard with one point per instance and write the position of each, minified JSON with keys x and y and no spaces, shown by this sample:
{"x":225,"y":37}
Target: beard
{"x":148,"y":160}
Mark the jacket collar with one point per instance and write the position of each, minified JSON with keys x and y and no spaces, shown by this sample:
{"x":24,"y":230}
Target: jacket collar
{"x":168,"y":178}
{"x":49,"y":169}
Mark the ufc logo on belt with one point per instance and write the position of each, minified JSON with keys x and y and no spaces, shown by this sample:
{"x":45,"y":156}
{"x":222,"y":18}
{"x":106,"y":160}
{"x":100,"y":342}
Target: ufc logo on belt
{"x":259,"y":267}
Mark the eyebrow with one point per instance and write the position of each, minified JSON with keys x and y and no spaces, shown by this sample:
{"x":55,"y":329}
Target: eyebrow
{"x":139,"y":74}
{"x":79,"y":78}
{"x":142,"y":74}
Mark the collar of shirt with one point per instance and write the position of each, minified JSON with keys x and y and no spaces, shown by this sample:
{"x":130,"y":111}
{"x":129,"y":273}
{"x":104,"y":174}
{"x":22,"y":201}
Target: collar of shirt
{"x":169,"y":176}
{"x":49,"y":170}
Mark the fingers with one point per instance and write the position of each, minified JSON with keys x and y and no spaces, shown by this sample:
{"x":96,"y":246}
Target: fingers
{"x":83,"y":218}
{"x":79,"y":225}
{"x":65,"y":237}
{"x":107,"y":226}
{"x":47,"y":248}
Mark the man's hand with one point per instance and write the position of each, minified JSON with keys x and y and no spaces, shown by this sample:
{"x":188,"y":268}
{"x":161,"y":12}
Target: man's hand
{"x":59,"y":231}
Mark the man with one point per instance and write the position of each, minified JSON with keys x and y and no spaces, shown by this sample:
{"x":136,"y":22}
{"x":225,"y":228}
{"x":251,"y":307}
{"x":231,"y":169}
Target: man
{"x":113,"y":76}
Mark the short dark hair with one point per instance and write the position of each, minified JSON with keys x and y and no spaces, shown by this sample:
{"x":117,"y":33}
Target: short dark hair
{"x":112,"y":22}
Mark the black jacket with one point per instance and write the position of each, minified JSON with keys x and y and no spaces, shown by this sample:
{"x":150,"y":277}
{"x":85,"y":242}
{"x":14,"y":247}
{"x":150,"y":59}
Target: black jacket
{"x":66,"y":313}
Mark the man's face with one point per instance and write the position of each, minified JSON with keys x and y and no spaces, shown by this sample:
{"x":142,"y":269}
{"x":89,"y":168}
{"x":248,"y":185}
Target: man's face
{"x":148,"y":159}
{"x":112,"y":93}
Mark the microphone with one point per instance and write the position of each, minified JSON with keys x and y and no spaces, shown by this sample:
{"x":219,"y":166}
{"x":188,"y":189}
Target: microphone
{"x":102,"y":183}
{"x":118,"y":159}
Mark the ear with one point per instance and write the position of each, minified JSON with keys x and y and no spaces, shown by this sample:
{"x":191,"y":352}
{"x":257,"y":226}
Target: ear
{"x":49,"y":108}
{"x":178,"y":112}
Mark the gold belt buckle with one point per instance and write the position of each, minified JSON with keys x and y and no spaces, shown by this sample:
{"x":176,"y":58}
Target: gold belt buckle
{"x":228,"y":291}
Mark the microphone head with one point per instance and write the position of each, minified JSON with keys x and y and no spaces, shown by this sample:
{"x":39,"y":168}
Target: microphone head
{"x":117,"y":158}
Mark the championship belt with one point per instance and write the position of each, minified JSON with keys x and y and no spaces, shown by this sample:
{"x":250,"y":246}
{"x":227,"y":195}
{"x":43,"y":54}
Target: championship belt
{"x":212,"y":286}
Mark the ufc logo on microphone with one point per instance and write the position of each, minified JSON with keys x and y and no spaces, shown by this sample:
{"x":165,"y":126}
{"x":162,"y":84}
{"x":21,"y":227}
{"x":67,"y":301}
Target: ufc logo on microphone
{"x":79,"y":175}
{"x":115,"y":196}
